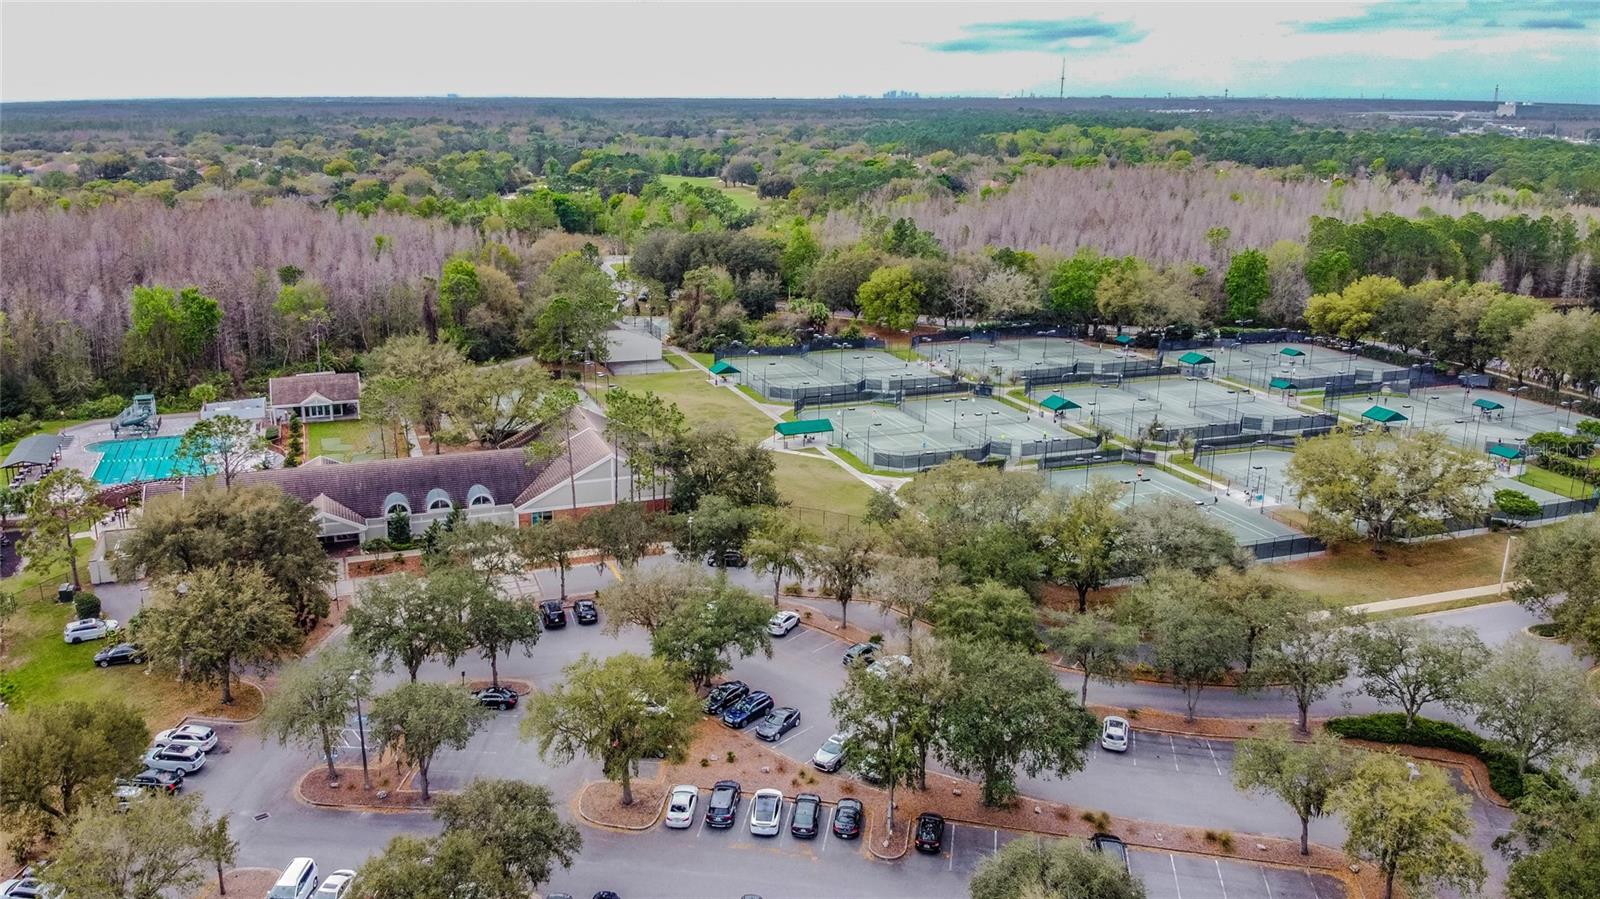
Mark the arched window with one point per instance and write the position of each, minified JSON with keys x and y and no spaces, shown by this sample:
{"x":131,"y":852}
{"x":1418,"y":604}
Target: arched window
{"x":479,"y":495}
{"x":396,"y":502}
{"x":438,"y":499}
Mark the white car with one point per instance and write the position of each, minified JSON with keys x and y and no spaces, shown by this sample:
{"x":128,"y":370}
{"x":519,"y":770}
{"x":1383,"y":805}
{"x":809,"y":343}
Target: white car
{"x":782,"y":623}
{"x":1115,"y":733}
{"x":830,"y":756}
{"x":197,"y":735}
{"x":88,"y":629}
{"x":889,"y":664}
{"x":175,"y":758}
{"x":337,"y":886}
{"x":766,"y":812}
{"x":680,"y":806}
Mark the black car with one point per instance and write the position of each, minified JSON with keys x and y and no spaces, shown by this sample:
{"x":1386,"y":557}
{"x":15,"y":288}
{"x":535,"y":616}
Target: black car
{"x":807,"y":812}
{"x":121,"y":654}
{"x":860,"y":654}
{"x":586,"y":611}
{"x":747,"y":710}
{"x":848,"y":818}
{"x":552,"y":614}
{"x":930,"y":832}
{"x":1112,"y":846}
{"x":723,"y":806}
{"x":606,"y":894}
{"x":154,"y":779}
{"x":496,"y":698}
{"x":725,"y":695}
{"x":730,"y":558}
{"x":778,"y":722}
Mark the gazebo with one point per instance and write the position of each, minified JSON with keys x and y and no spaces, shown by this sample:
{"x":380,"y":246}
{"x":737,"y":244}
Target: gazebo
{"x":1486,"y":406}
{"x":1122,"y":339}
{"x":1282,"y":384}
{"x":1291,"y":352}
{"x":35,"y":453}
{"x":1383,"y":415}
{"x":1058,"y":404}
{"x":803,"y":427}
{"x":1194,"y":360}
{"x":724,"y":367}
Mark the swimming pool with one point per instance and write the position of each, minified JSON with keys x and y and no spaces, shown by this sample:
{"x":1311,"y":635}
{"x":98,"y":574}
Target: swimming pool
{"x":140,"y":459}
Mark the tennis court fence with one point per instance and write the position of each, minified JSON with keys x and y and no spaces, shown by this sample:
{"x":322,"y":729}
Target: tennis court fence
{"x":799,"y":349}
{"x":1086,"y":458}
{"x":1283,"y":547}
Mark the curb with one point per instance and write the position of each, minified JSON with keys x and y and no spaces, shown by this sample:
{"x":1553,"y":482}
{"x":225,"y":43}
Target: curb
{"x":301,"y":798}
{"x":905,"y":846}
{"x":207,"y":719}
{"x":633,"y":828}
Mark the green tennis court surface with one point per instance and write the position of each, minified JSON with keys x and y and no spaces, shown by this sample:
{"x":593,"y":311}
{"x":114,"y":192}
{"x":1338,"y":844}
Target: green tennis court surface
{"x":1145,"y":483}
{"x":146,"y":459}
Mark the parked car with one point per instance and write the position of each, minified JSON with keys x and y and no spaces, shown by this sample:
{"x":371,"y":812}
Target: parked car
{"x":157,"y":780}
{"x":298,"y":881}
{"x":930,"y":832}
{"x":605,"y":894}
{"x":723,"y":806}
{"x":730,"y":558}
{"x":860,"y":654}
{"x":500,"y":698}
{"x":552,"y":614}
{"x":766,"y":812}
{"x":807,"y":814}
{"x":1112,"y":846}
{"x":888,"y":664}
{"x":848,"y":818}
{"x":88,"y":629}
{"x":586,"y":611}
{"x":175,"y":758}
{"x":830,"y":755}
{"x":121,"y":654}
{"x":778,"y":722}
{"x":197,"y":735}
{"x":746,"y":710}
{"x":680,"y":806}
{"x":1114,"y":733}
{"x":337,"y":886}
{"x":782,"y":623}
{"x":23,"y":888}
{"x":725,"y":695}
{"x":126,"y":794}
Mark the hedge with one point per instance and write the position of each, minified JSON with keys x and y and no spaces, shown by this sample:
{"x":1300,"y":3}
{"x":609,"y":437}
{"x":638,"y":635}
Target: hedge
{"x":1390,"y":727}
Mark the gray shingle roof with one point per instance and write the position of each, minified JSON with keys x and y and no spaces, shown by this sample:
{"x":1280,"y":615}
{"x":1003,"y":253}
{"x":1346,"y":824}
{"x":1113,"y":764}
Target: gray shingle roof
{"x":34,"y":450}
{"x":339,"y":387}
{"x":362,"y":487}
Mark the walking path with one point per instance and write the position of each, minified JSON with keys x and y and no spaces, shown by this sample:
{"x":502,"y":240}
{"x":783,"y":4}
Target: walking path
{"x":1428,"y":599}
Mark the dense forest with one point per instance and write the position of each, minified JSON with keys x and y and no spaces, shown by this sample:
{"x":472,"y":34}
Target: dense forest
{"x":315,"y":230}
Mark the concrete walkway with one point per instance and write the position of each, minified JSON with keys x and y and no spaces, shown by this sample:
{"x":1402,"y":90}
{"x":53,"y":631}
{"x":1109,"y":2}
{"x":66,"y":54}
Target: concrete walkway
{"x":1427,"y":599}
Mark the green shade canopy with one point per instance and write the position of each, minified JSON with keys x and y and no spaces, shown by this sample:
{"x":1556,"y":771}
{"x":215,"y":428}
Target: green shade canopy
{"x":1505,"y":451}
{"x":724,"y":367}
{"x":1290,"y":351}
{"x":1383,"y":415}
{"x":1123,"y":339}
{"x":806,"y":426}
{"x":1057,"y":403}
{"x":1193,"y":358}
{"x":1487,"y":405}
{"x":1281,"y":384}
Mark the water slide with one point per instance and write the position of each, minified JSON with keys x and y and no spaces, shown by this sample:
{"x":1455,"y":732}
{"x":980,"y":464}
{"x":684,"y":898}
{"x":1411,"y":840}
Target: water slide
{"x":140,"y":416}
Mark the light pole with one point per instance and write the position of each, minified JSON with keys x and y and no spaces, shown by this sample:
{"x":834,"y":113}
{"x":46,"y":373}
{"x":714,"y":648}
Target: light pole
{"x":361,"y":731}
{"x":1515,"y":393}
{"x":1133,"y":498}
{"x":1248,"y":459}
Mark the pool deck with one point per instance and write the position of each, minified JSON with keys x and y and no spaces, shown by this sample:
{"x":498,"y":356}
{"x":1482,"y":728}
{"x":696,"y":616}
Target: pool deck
{"x":78,"y":455}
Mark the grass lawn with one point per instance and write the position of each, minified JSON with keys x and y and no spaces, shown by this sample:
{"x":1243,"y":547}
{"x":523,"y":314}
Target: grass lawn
{"x":701,"y":402}
{"x":705,"y":359}
{"x":1352,"y":574}
{"x":743,"y":197}
{"x":1445,"y":606}
{"x":49,"y":427}
{"x":347,"y":441}
{"x":819,"y":484}
{"x":676,"y":361}
{"x":1545,"y":479}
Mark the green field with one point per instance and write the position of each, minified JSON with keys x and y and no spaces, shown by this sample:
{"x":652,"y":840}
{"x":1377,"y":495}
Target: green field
{"x":702,"y":403}
{"x":743,"y":197}
{"x":819,"y":484}
{"x":346,"y":441}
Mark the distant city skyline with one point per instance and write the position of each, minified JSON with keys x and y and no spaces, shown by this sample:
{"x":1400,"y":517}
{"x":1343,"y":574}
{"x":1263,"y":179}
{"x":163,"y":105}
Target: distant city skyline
{"x":1534,"y":50}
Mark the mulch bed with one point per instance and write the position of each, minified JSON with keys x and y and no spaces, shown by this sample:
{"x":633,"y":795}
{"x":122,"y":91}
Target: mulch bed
{"x":247,"y":702}
{"x":601,"y":802}
{"x":1173,"y":722}
{"x":400,"y":788}
{"x":250,"y":882}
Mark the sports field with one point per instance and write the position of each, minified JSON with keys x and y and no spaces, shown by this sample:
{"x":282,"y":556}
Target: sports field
{"x":1163,"y":407}
{"x":1012,"y":359}
{"x":925,"y":431}
{"x":141,"y":459}
{"x":1256,"y":471}
{"x":830,"y":371}
{"x":1306,"y":364}
{"x":1248,"y":524}
{"x":1453,"y":410}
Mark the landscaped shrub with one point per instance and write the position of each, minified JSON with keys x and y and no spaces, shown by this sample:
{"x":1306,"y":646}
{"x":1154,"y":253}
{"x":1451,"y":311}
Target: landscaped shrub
{"x":376,"y":545}
{"x":1390,"y":727}
{"x":86,"y":605}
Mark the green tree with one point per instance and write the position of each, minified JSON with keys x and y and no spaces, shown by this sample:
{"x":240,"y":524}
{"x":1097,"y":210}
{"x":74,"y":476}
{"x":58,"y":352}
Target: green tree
{"x":551,"y":544}
{"x":205,"y":625}
{"x":223,"y":445}
{"x":492,"y":403}
{"x":1533,"y":705}
{"x":1557,"y":575}
{"x":1247,"y":285}
{"x":61,"y":502}
{"x":905,"y":586}
{"x":1193,"y":639}
{"x":218,"y":847}
{"x":716,"y":460}
{"x":842,"y":563}
{"x":459,"y":293}
{"x":896,"y":711}
{"x":1411,"y":827}
{"x":419,"y":375}
{"x":1303,"y":775}
{"x":647,"y":598}
{"x":625,"y":533}
{"x":1073,"y":284}
{"x":409,"y":620}
{"x":705,"y":626}
{"x":91,"y":744}
{"x":314,"y":698}
{"x":1516,"y":503}
{"x":519,"y":830}
{"x":303,"y":308}
{"x":890,"y":297}
{"x":142,"y":852}
{"x":988,"y":611}
{"x":1008,"y":713}
{"x":498,"y":624}
{"x":1079,"y":536}
{"x":170,"y":330}
{"x":617,"y":712}
{"x":1176,"y":534}
{"x":1380,"y":486}
{"x":414,"y":721}
{"x":1052,"y":869}
{"x":1351,"y":313}
{"x":1308,"y":653}
{"x":1260,"y":606}
{"x":778,"y":546}
{"x":1095,"y":644}
{"x":1554,"y":844}
{"x":255,"y":525}
{"x":716,"y":527}
{"x":1409,"y":663}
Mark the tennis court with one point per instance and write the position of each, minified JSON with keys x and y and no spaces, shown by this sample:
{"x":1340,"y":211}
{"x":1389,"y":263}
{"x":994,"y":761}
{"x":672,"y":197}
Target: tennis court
{"x":1306,"y":365}
{"x":1259,"y":472}
{"x":1013,"y":359}
{"x":787,"y":377}
{"x":145,"y":459}
{"x":1166,"y":407}
{"x":1247,"y":524}
{"x":1473,"y":418}
{"x":926,"y":431}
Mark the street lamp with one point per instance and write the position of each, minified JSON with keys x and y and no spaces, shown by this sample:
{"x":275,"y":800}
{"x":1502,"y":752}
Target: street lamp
{"x":1515,"y":393}
{"x":1248,"y":459}
{"x":361,"y":731}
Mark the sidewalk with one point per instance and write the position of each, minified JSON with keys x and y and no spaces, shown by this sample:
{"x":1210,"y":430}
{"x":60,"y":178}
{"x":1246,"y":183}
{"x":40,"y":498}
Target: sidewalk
{"x":1426,"y":599}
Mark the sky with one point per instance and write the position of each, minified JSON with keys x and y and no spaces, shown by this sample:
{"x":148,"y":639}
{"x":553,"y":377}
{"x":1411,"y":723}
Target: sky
{"x":1534,"y":50}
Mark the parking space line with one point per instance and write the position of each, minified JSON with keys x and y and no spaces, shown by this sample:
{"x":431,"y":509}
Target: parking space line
{"x":951,"y":866}
{"x":1173,"y":860}
{"x":791,"y":737}
{"x":1174,"y":747}
{"x":1218,"y":863}
{"x":702,"y":829}
{"x":828,"y":829}
{"x":1264,"y":881}
{"x":1213,"y":755}
{"x":825,"y":645}
{"x":1133,"y":742}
